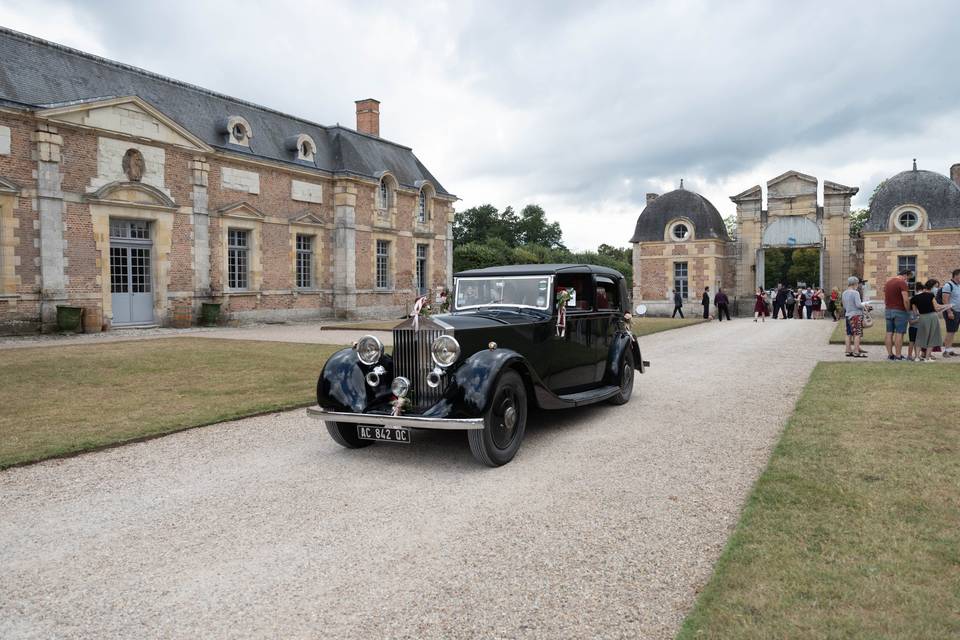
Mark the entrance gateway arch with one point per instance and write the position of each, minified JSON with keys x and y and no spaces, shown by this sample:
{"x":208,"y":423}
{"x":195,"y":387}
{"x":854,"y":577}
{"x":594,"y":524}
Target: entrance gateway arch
{"x":794,"y":232}
{"x":792,"y":215}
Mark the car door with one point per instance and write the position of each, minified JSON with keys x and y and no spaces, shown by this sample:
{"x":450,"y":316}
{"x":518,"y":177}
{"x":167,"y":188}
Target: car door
{"x":607,"y":318}
{"x":573,"y":355}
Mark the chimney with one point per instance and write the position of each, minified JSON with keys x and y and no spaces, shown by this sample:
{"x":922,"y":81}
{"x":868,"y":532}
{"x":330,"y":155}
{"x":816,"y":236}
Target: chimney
{"x":368,"y":116}
{"x":651,"y":197}
{"x":955,"y":174}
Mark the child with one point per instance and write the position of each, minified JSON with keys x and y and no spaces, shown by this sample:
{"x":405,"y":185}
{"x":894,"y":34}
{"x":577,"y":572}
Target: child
{"x":912,"y":353}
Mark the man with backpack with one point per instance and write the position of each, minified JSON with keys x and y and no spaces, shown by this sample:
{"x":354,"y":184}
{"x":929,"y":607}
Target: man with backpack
{"x":950,"y":294}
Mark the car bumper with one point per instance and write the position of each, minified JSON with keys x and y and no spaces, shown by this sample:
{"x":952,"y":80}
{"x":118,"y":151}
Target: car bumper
{"x":412,"y":422}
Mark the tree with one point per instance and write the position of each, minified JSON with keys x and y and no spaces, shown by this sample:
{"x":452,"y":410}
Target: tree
{"x":805,"y":267}
{"x":730,"y":222}
{"x":775,"y":265}
{"x":533,"y":228}
{"x":622,"y":254}
{"x":858,"y":218}
{"x":472,"y":224}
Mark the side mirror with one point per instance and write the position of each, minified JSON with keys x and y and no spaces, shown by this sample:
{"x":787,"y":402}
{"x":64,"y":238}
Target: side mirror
{"x":641,"y":309}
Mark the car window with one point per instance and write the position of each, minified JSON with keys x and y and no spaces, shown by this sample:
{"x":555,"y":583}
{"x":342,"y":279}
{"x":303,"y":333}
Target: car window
{"x":579,"y":286}
{"x":504,"y":291}
{"x":608,"y":294}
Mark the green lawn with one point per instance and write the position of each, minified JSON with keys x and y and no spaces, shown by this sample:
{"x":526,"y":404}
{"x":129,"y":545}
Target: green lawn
{"x":873,"y":335}
{"x":60,"y":400}
{"x":853,"y":530}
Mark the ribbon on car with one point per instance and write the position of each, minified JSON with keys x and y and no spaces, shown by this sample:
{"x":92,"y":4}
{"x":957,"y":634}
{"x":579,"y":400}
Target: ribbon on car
{"x":417,"y":307}
{"x":563,"y":296}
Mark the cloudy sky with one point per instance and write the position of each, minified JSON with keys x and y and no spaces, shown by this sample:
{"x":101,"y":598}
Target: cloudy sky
{"x":580,"y":107}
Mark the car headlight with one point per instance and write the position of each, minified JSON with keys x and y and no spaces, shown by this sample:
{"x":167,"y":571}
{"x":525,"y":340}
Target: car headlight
{"x":400,"y":387}
{"x":369,"y":350}
{"x":445,"y":350}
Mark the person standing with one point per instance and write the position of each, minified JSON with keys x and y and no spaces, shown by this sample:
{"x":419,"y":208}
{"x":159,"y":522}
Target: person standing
{"x":760,"y":306}
{"x":951,"y":297}
{"x":705,"y":301}
{"x":723,"y":304}
{"x":928,"y":327}
{"x":832,"y":305}
{"x":780,"y":302}
{"x":853,"y":309}
{"x":801,"y":299}
{"x":790,"y":301}
{"x":677,"y":304}
{"x":817,"y":301}
{"x":896,"y":299}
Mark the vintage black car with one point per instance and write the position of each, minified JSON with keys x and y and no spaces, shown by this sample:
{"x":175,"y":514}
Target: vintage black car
{"x":516,"y":337}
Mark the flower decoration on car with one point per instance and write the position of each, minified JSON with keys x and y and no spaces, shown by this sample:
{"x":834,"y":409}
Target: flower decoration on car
{"x":563,"y":297}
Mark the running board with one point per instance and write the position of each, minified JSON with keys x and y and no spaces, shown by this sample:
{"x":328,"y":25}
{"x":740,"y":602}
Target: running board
{"x":591,"y":396}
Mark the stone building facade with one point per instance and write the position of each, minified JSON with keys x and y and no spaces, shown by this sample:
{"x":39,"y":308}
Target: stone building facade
{"x":680,"y":241}
{"x":138,"y":198}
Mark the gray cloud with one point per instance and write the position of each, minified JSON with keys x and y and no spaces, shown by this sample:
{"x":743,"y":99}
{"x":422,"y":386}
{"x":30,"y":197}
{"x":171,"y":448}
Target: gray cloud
{"x":578,"y":105}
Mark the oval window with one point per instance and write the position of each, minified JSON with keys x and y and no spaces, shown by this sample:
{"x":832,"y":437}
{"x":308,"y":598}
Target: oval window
{"x":238,"y":132}
{"x":908,"y":220}
{"x":680,"y":231}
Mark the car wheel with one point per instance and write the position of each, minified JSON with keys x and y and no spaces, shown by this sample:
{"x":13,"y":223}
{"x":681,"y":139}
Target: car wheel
{"x":345,"y":435}
{"x":626,"y":380}
{"x":504,"y":423}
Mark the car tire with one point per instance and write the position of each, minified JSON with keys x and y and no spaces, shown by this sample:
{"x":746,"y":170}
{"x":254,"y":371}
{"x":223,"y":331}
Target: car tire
{"x":345,"y":435}
{"x":625,"y":380}
{"x":503,"y":424}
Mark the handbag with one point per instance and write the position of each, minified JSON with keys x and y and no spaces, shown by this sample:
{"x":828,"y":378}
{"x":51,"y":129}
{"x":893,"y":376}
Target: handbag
{"x":867,"y":321}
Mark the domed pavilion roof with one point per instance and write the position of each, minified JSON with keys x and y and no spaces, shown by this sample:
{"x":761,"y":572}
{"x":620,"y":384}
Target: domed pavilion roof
{"x":935,"y":193}
{"x":681,"y":203}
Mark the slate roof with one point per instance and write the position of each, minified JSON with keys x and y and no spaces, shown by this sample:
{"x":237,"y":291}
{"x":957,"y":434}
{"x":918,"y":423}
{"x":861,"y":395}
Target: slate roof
{"x":680,"y":203}
{"x":936,"y":193}
{"x":37,"y":74}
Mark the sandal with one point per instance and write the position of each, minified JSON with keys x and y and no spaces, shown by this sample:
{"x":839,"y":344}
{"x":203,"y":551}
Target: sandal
{"x":858,"y":355}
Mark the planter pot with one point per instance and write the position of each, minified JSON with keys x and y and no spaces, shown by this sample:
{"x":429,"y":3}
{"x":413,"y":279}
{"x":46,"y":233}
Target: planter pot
{"x":209,"y":313}
{"x":69,"y":318}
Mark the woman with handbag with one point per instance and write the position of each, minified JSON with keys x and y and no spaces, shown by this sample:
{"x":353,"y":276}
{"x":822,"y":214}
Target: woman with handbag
{"x":928,"y":326}
{"x":760,"y":306}
{"x":855,"y":314}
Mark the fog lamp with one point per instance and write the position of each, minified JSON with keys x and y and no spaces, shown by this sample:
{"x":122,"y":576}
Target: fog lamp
{"x":400,"y":387}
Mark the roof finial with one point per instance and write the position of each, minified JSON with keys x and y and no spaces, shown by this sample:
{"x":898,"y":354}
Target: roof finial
{"x":681,"y":183}
{"x":914,"y":164}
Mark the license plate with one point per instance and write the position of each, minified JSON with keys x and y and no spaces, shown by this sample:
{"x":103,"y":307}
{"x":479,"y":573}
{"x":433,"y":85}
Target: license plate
{"x":384,"y":434}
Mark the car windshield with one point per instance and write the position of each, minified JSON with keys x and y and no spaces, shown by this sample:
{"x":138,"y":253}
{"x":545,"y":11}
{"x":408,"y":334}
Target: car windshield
{"x":507,"y":291}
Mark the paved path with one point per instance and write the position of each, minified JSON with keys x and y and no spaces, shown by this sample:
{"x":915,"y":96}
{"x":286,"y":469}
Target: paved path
{"x":605,"y":525}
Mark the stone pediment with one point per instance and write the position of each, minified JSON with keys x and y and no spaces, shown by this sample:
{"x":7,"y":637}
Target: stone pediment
{"x":305,"y":217}
{"x":8,"y":186}
{"x":837,"y":189}
{"x":753,"y":193}
{"x":791,"y":184}
{"x":243,"y":210}
{"x":135,"y":194}
{"x":128,"y":115}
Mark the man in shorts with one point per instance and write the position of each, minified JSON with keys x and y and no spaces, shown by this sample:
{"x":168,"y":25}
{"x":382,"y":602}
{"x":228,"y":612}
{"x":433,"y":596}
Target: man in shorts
{"x":951,"y":295}
{"x":896,"y":298}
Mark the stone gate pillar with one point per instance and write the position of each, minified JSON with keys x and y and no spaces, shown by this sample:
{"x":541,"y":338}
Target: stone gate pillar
{"x":50,"y":207}
{"x":344,"y":249}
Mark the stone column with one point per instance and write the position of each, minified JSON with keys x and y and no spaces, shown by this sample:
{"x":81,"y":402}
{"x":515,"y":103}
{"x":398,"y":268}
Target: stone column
{"x":50,"y":207}
{"x":344,"y":249}
{"x":200,"y":170}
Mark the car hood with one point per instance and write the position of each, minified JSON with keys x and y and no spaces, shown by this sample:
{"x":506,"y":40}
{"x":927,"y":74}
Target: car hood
{"x":497,"y":317}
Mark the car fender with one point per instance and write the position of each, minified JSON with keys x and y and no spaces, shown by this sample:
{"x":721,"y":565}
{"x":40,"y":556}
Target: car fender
{"x":473,"y":382}
{"x":342,"y":383}
{"x":622,"y":341}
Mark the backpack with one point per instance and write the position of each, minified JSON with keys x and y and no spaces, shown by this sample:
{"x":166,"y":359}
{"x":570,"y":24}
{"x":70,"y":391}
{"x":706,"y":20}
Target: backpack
{"x":790,"y":298}
{"x":939,"y":295}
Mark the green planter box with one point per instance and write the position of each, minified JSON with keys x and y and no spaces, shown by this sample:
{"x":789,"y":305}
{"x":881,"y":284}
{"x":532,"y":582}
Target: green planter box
{"x":69,"y":318}
{"x":209,"y":313}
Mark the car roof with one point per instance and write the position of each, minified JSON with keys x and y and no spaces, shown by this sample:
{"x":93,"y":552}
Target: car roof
{"x":539,"y":269}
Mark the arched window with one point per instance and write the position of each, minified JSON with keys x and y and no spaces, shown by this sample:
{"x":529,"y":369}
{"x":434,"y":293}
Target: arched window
{"x":422,"y":207}
{"x":238,"y":130}
{"x":383,"y":200}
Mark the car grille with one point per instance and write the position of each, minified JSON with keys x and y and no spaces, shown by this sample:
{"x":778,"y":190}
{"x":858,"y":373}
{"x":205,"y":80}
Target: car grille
{"x":411,"y":359}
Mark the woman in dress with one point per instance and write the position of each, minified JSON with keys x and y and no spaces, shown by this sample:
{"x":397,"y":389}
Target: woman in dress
{"x":928,"y":327}
{"x":760,"y":306}
{"x":815,"y":307}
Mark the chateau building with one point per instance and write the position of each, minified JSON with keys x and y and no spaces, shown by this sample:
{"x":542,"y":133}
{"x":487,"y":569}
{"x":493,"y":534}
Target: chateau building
{"x":681,"y":242}
{"x":138,"y":197}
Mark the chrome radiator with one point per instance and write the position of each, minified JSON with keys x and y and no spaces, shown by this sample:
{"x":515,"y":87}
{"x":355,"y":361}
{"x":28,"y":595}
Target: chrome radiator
{"x":411,"y":359}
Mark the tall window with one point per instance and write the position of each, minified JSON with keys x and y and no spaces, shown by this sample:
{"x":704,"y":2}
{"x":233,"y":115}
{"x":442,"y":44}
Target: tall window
{"x":383,"y":195}
{"x":421,"y":269}
{"x":680,"y":279}
{"x":238,"y":258}
{"x":422,"y":207}
{"x":383,"y":264}
{"x":909,"y":262}
{"x":304,"y":261}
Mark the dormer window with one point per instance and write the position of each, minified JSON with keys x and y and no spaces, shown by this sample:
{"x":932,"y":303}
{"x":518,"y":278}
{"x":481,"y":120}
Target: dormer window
{"x":908,"y":220}
{"x":422,"y":207}
{"x":384,"y":199}
{"x":680,"y":231}
{"x":302,"y":147}
{"x":424,"y":198}
{"x":238,"y":131}
{"x":385,"y":192}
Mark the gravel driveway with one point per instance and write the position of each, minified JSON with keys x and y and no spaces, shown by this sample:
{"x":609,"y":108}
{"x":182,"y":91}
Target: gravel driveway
{"x":605,"y":525}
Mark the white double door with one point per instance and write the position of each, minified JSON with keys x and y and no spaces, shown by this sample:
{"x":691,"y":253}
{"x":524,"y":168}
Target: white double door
{"x":131,"y":272}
